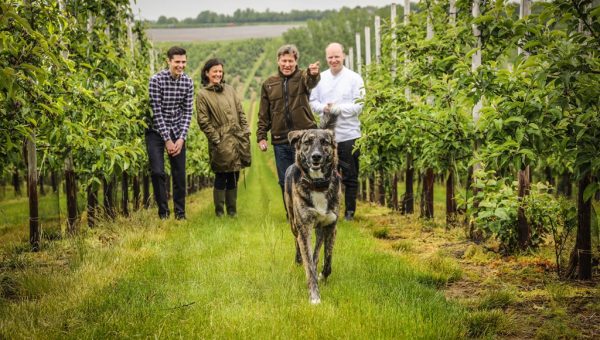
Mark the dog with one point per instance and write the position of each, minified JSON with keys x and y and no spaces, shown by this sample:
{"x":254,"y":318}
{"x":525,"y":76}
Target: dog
{"x":312,"y":198}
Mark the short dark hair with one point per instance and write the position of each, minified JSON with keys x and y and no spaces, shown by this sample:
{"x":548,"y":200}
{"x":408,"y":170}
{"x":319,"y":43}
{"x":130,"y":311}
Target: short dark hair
{"x":207,"y":66}
{"x":175,"y":50}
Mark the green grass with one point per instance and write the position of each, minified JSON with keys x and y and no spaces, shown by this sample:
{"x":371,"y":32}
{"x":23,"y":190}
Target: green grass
{"x":217,"y":277}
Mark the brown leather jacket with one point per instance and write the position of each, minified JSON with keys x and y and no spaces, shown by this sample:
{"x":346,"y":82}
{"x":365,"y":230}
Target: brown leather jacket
{"x":284,"y":105}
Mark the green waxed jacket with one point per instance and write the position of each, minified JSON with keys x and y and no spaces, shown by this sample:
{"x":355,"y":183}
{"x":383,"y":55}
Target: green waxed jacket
{"x":279,"y":118}
{"x":224,"y":123}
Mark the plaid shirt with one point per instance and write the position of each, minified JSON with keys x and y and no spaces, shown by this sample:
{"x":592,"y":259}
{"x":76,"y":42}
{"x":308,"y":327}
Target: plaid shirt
{"x":171,"y":101}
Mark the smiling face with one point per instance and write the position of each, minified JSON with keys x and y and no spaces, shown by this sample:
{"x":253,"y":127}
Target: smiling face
{"x":215,"y":74}
{"x":177,"y":65}
{"x":287,"y":64}
{"x":335,"y":57}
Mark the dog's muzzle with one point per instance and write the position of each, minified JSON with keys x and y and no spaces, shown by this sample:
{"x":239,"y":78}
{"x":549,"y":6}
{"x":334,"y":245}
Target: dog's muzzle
{"x":316,"y":160}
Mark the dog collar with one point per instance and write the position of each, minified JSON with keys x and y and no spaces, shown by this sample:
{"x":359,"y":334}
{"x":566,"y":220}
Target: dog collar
{"x":319,"y":184}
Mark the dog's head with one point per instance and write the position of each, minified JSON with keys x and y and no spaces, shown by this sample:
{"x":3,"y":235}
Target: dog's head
{"x":316,"y":151}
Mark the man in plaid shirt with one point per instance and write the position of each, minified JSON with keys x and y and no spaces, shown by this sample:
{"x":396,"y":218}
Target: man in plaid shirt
{"x":171,"y":99}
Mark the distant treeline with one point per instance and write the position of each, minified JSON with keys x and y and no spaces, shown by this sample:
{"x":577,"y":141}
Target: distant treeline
{"x":240,"y":16}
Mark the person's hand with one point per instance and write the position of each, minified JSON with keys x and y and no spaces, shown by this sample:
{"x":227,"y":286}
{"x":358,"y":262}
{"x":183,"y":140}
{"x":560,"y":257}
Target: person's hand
{"x":170,"y":146}
{"x":178,"y":147}
{"x":262,"y":145}
{"x":327,"y":108}
{"x":313,"y":69}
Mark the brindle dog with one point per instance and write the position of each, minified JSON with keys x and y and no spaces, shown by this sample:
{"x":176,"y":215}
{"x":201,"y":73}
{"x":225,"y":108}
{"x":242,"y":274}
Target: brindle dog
{"x":312,"y":191}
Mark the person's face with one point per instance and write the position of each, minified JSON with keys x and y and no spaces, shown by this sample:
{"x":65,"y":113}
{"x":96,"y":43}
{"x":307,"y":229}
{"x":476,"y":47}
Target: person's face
{"x":335,"y":58}
{"x":215,"y":74}
{"x":287,"y":64}
{"x":177,"y":65}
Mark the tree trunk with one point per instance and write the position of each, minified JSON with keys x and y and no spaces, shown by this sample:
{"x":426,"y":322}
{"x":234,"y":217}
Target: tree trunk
{"x":92,"y":205}
{"x":381,"y":188}
{"x":450,"y":200}
{"x":34,"y":223}
{"x":581,"y":257}
{"x":427,"y":198}
{"x":125,"y":194}
{"x":41,"y":183}
{"x":146,"y":189}
{"x":523,"y":229}
{"x":16,"y":182}
{"x":109,"y":203}
{"x":363,"y":189}
{"x":394,"y":192}
{"x":564,"y":187}
{"x":372,"y":188}
{"x":136,"y":193}
{"x":549,"y":176}
{"x":71,"y":193}
{"x":54,"y":181}
{"x":409,"y":196}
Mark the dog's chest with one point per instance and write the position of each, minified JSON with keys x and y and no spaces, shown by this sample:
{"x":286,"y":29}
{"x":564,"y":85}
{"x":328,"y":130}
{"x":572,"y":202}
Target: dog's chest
{"x":321,"y":204}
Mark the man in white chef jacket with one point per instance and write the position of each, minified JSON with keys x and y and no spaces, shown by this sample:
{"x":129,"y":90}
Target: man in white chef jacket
{"x":338,"y":92}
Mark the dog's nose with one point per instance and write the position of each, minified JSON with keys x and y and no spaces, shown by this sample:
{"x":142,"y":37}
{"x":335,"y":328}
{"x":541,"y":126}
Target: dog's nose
{"x":316,"y":157}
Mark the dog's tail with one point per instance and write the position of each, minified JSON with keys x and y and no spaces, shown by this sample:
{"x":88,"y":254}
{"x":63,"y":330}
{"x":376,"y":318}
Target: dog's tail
{"x":328,"y":121}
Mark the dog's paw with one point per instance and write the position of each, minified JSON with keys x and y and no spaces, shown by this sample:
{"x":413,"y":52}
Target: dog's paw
{"x":315,"y":301}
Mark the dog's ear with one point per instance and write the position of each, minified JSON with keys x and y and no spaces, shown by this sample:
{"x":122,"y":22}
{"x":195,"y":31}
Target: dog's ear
{"x":295,"y":136}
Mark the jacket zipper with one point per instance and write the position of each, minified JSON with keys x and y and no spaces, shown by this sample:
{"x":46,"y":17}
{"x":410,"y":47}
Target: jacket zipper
{"x":288,"y":116}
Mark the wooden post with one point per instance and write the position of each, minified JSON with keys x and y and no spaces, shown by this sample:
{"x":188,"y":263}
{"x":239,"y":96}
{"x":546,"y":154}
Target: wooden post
{"x":125,"y":194}
{"x":524,"y":229}
{"x":136,"y":193}
{"x":92,"y":204}
{"x":34,"y":222}
{"x":406,"y":59}
{"x":377,"y":40}
{"x":475,"y":63}
{"x":367,"y":46}
{"x":394,"y":47}
{"x":358,"y":52}
{"x":351,"y":58}
{"x":71,"y":192}
{"x":452,"y":12}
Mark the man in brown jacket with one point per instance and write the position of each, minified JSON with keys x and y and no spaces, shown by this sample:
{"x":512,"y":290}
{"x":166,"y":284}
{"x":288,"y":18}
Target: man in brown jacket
{"x":284,"y":106}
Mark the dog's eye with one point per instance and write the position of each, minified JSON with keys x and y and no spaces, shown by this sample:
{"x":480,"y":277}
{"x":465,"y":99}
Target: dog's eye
{"x":325,"y":142}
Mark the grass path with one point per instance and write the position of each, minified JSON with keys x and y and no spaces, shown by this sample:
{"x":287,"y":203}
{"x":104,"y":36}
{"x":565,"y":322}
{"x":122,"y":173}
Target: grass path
{"x":212,"y":277}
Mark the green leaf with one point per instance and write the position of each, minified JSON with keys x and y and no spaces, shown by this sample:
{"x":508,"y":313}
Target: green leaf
{"x":590,"y":190}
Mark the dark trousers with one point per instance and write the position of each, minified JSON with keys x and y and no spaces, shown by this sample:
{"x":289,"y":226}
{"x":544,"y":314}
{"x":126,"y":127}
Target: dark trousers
{"x":285,"y":155}
{"x":349,"y":168}
{"x":156,"y":153}
{"x":226,"y":180}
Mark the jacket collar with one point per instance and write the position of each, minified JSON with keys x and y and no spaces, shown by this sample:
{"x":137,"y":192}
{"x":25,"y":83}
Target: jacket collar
{"x":214,"y":87}
{"x":290,"y":76}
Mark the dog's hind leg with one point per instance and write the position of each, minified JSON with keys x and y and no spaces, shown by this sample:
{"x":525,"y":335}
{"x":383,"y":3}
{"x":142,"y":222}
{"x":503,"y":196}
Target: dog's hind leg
{"x":330,"y":233}
{"x":298,"y":255}
{"x":309,"y":266}
{"x":318,"y":244}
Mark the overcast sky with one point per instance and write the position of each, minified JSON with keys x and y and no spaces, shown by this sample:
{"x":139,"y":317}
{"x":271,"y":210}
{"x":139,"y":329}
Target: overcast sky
{"x":181,"y":9}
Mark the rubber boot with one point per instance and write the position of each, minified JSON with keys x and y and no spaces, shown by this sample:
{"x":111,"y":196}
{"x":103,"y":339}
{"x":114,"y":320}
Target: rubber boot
{"x":231,"y":202}
{"x":219,"y":198}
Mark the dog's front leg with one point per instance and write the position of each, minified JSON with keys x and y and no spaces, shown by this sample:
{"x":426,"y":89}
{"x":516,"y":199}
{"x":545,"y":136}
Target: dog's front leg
{"x":330,"y":233}
{"x":310,"y":269}
{"x":318,"y":244}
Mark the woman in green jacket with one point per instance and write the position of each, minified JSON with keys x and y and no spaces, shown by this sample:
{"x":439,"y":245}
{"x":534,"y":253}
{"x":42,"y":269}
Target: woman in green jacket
{"x":224,"y":123}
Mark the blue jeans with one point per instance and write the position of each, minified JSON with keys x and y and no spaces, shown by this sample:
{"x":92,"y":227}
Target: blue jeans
{"x":285,"y":155}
